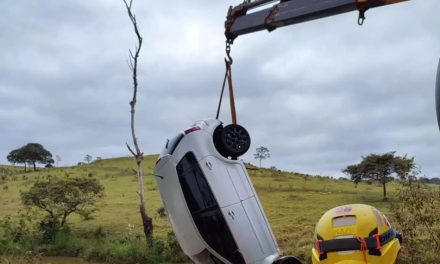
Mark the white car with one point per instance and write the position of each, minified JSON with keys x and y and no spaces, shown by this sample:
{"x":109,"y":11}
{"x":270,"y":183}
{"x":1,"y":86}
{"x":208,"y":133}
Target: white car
{"x":209,"y":198}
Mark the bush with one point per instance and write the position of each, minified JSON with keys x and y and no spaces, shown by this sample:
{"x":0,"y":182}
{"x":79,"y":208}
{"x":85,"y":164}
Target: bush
{"x":63,"y":244}
{"x":99,"y":233}
{"x":17,"y":234}
{"x":49,"y":228}
{"x":162,"y":212}
{"x":61,"y":197}
{"x":173,"y":250}
{"x":418,"y":216}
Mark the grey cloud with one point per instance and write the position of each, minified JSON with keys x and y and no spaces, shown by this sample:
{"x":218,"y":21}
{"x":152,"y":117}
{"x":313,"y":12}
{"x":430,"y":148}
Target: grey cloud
{"x":319,"y":95}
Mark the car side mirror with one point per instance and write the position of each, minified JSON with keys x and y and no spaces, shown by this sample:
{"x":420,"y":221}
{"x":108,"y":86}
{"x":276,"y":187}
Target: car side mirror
{"x":437,"y":94}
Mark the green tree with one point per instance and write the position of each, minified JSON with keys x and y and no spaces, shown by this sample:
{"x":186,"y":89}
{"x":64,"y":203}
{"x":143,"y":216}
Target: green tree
{"x":262,"y":153}
{"x":381,"y":168}
{"x":31,"y":153}
{"x":61,"y":197}
{"x":16,"y":156}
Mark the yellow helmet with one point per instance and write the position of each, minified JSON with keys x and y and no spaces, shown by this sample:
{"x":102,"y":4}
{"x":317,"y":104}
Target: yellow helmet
{"x":355,"y":234}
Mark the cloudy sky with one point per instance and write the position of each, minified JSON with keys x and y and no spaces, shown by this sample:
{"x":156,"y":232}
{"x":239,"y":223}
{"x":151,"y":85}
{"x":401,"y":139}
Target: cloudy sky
{"x":319,"y":95}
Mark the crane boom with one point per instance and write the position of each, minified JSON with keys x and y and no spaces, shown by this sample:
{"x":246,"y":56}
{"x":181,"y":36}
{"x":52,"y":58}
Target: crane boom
{"x":288,"y":12}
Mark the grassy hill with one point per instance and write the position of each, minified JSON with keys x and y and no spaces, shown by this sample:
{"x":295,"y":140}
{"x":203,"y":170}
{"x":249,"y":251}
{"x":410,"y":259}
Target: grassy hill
{"x":293,"y":202}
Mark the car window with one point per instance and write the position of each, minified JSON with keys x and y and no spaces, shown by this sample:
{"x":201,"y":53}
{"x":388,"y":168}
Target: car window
{"x":194,"y":185}
{"x":171,"y":144}
{"x":205,"y":210}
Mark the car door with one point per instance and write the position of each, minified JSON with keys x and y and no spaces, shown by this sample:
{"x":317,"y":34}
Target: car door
{"x":220,"y":180}
{"x":244,"y":233}
{"x":205,"y":210}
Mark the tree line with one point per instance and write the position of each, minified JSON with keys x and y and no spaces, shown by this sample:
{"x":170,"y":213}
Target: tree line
{"x":430,"y":181}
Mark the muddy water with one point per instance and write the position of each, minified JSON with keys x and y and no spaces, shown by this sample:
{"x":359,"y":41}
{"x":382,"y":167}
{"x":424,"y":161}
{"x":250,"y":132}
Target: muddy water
{"x":50,"y":260}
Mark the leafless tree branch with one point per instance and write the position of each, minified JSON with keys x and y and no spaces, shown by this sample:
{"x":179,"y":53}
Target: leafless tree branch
{"x":131,"y":151}
{"x":138,"y":155}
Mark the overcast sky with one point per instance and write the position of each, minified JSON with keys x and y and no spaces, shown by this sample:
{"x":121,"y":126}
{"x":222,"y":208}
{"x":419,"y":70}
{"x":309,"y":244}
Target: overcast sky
{"x":319,"y":95}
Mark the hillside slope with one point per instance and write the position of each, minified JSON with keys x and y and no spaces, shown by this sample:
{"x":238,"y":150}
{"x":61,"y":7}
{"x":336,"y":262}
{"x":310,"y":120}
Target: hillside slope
{"x":293,"y":202}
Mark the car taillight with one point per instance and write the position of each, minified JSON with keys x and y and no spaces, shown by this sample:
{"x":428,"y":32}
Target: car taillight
{"x":191,"y":130}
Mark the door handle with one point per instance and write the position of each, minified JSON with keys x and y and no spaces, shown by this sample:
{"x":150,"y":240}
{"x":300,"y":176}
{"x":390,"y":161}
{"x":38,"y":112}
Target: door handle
{"x":231,"y":214}
{"x":209,"y":165}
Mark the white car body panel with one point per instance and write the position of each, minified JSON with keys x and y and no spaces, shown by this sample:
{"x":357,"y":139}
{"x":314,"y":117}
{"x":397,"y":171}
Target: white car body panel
{"x":212,"y":167}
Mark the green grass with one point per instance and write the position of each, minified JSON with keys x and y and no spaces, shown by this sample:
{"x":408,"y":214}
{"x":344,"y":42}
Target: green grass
{"x":293,"y":202}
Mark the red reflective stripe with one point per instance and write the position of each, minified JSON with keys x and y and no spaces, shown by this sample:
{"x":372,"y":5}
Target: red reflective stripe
{"x":318,"y":247}
{"x":378,"y":244}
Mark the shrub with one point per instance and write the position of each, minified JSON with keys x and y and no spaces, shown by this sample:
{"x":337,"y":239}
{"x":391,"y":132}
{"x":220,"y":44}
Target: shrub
{"x":99,"y":233}
{"x":17,"y":234}
{"x":173,"y":250}
{"x":61,"y":197}
{"x":162,"y":212}
{"x":418,"y":216}
{"x":49,"y":228}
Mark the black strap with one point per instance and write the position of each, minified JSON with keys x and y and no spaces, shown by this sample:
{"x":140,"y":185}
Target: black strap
{"x":348,"y":244}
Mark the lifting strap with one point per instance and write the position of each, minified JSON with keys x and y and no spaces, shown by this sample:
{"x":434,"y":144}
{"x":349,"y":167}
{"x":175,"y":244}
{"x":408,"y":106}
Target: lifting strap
{"x":228,"y":78}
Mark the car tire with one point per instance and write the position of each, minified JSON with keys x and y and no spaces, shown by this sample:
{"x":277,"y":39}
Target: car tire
{"x":288,"y":260}
{"x":217,"y":138}
{"x":234,"y":141}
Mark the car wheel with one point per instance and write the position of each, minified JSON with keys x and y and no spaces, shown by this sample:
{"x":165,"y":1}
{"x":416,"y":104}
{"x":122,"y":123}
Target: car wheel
{"x":217,"y":138}
{"x":288,"y":260}
{"x":235,"y":140}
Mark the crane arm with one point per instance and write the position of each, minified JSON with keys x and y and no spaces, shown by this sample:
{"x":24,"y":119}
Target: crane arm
{"x":289,"y":12}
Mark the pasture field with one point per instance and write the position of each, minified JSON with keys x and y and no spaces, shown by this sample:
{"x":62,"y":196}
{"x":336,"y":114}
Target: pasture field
{"x":293,"y":202}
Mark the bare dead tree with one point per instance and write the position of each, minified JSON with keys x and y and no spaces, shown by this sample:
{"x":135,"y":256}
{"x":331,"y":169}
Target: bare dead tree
{"x":138,"y":155}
